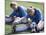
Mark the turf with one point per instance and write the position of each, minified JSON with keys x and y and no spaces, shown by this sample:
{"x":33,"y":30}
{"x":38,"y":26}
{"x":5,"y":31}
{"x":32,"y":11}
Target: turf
{"x":8,"y":10}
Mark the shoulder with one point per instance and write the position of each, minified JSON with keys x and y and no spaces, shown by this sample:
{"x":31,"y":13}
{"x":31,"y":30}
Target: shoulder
{"x":38,"y":10}
{"x":22,"y":7}
{"x":39,"y":13}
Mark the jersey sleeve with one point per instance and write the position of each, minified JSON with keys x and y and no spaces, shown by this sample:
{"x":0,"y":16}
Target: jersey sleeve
{"x":13,"y":14}
{"x":38,"y":16}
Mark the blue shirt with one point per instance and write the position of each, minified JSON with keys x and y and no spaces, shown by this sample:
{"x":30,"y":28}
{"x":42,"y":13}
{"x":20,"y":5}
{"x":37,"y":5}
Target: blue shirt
{"x":36,"y":18}
{"x":20,"y":12}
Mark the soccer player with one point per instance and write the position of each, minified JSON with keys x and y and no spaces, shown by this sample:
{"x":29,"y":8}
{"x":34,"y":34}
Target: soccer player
{"x":35,"y":16}
{"x":18,"y":11}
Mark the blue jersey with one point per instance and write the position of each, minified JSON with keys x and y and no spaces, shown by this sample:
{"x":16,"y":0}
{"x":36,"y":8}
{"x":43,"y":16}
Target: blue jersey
{"x":20,"y":12}
{"x":36,"y":18}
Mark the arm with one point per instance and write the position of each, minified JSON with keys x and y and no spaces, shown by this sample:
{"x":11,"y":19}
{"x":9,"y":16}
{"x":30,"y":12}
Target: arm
{"x":37,"y":17}
{"x":13,"y":14}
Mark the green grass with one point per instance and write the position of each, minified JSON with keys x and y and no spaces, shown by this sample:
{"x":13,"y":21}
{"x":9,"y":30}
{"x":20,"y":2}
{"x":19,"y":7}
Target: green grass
{"x":8,"y":29}
{"x":8,"y":10}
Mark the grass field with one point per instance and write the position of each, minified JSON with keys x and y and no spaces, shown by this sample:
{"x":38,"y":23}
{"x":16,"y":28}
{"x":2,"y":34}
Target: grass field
{"x":8,"y":10}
